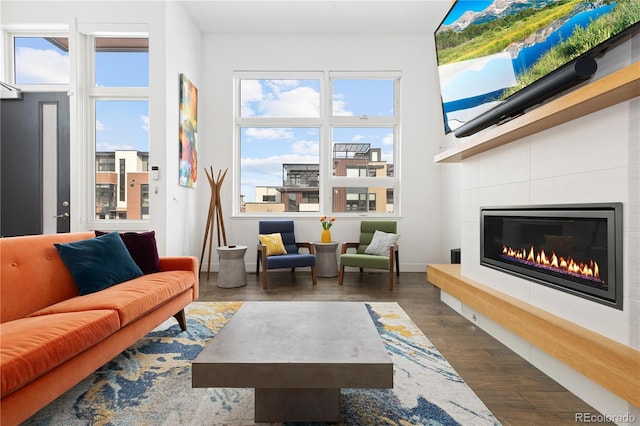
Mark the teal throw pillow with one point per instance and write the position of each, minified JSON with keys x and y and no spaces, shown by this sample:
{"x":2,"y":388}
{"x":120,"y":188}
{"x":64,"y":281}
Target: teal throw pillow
{"x":98,"y":263}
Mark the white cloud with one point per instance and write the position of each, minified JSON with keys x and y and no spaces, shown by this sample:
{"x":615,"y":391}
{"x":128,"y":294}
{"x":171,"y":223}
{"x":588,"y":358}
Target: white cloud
{"x":272,"y":166}
{"x":339,"y":106}
{"x":145,"y":122}
{"x":107,"y":146}
{"x":251,"y":91}
{"x":278,"y":98}
{"x":388,"y":139}
{"x":298,"y":102}
{"x":99,"y":125}
{"x":270,"y":133}
{"x":357,"y":138}
{"x":37,"y":66}
{"x":278,"y":86}
{"x":306,"y":147}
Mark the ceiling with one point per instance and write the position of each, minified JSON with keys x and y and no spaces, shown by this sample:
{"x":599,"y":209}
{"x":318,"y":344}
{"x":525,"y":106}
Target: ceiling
{"x":317,"y":16}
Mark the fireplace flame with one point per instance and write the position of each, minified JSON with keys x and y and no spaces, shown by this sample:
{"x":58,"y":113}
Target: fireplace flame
{"x":552,"y":261}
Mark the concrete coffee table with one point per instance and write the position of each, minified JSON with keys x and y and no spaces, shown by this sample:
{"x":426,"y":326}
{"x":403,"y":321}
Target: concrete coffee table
{"x":297,"y":356}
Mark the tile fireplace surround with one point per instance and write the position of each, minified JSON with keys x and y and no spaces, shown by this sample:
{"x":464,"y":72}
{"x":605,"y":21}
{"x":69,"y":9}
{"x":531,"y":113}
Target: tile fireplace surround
{"x":591,"y":159}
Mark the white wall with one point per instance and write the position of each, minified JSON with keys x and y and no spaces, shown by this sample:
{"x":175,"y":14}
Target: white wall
{"x":421,"y":215}
{"x":177,"y":205}
{"x":592,"y":159}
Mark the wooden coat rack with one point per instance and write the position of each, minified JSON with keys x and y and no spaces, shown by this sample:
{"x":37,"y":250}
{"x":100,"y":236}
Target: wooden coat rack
{"x":215,"y":212}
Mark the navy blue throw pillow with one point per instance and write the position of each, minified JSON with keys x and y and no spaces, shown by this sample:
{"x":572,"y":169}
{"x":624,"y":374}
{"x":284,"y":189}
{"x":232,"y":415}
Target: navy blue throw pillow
{"x":98,"y":263}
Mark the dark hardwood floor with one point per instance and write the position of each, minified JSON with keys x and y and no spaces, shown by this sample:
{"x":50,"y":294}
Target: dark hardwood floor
{"x":516,"y":392}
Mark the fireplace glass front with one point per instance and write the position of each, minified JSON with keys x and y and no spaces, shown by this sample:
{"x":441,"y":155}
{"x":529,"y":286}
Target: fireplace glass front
{"x":576,"y":248}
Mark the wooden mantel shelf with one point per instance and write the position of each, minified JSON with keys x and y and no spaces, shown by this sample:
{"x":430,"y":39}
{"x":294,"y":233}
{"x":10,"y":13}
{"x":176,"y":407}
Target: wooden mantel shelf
{"x":613,"y":365}
{"x":610,"y":90}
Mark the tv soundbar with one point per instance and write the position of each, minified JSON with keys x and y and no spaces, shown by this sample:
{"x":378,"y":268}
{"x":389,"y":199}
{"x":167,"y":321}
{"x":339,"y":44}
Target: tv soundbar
{"x":573,"y":73}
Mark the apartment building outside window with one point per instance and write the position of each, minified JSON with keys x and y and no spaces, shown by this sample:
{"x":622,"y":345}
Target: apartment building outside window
{"x":323,"y":141}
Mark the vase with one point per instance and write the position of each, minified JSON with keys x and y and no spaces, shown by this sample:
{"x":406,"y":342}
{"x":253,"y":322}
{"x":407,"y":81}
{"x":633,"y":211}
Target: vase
{"x":325,"y":237}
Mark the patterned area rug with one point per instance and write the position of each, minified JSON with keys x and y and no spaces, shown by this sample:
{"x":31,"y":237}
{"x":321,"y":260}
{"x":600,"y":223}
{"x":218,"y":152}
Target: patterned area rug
{"x":150,"y":383}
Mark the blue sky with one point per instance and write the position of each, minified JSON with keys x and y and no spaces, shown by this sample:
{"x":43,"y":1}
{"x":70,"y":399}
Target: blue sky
{"x":462,"y":6}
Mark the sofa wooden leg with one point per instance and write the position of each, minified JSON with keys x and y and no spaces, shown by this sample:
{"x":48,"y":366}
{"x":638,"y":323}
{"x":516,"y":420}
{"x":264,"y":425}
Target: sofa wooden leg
{"x":314,"y":278}
{"x":182,"y":320}
{"x":341,"y":275}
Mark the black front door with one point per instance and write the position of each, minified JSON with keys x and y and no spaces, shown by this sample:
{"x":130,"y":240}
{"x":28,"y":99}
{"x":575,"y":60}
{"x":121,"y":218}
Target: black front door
{"x":34,"y":164}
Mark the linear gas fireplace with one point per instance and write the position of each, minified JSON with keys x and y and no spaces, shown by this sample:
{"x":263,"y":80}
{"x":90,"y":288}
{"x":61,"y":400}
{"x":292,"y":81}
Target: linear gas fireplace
{"x":572,"y":248}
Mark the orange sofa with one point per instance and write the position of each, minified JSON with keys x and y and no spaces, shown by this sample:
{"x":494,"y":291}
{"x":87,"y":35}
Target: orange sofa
{"x":51,"y":338}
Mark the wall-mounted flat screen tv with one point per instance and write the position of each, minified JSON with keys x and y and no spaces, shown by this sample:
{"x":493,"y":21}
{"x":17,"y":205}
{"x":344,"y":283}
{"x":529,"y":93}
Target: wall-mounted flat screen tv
{"x":497,"y":58}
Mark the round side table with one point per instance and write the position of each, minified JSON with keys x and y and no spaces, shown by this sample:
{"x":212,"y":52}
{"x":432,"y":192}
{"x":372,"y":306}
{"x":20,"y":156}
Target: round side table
{"x":326,"y":259}
{"x":232,"y":271}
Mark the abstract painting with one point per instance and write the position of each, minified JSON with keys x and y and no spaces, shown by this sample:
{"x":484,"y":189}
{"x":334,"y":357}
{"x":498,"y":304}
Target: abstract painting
{"x":188,"y":173}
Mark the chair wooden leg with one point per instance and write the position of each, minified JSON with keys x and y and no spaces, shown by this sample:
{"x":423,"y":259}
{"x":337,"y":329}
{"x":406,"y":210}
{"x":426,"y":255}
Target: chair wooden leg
{"x":391,"y":279}
{"x":361,"y":270}
{"x":258,"y":259}
{"x":397,"y":264}
{"x":264,"y":278}
{"x":313,"y":275}
{"x":341,"y":274}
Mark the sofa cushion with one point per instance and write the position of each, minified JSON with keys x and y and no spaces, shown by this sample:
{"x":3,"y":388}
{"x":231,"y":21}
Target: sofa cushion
{"x":131,"y":299}
{"x":30,"y":347}
{"x":33,"y":275}
{"x":298,"y":260}
{"x":98,"y":263}
{"x":143,"y":249}
{"x":365,"y":261}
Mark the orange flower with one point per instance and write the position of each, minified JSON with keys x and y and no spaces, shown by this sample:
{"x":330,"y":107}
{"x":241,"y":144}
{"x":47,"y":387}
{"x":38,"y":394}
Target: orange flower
{"x":326,"y":223}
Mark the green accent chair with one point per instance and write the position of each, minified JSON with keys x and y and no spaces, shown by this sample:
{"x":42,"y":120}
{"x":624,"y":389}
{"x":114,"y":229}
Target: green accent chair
{"x":362,"y":260}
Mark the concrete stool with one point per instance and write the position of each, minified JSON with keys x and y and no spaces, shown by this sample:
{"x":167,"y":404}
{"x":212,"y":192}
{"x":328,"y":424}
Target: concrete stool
{"x":232,"y":271}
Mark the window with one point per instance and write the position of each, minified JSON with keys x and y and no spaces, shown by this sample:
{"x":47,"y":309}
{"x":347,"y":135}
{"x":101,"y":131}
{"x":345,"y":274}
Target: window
{"x":291,"y":150}
{"x":118,"y":100}
{"x":372,"y":202}
{"x":41,"y":60}
{"x":278,"y":123}
{"x":364,"y":127}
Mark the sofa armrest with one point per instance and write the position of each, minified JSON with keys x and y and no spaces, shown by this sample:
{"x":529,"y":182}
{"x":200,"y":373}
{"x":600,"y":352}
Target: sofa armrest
{"x":183,"y":263}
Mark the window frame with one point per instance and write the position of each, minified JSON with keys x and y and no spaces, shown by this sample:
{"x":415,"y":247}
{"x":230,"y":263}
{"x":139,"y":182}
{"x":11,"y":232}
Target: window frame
{"x":325,"y":123}
{"x":9,"y":69}
{"x":392,"y":122}
{"x":91,"y":95}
